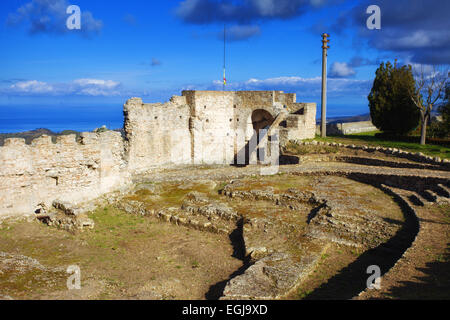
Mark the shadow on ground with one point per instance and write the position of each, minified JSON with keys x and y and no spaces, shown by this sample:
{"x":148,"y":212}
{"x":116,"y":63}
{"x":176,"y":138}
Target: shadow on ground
{"x":237,"y":240}
{"x":352,"y":280}
{"x":435,"y":284}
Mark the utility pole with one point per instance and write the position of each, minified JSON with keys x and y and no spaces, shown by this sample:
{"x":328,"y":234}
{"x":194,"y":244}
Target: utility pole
{"x":325,"y":47}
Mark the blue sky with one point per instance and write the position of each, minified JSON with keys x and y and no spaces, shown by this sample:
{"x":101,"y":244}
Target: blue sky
{"x":154,"y":49}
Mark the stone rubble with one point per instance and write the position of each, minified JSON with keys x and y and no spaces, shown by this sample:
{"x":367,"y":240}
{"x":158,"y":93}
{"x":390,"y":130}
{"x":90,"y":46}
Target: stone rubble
{"x":65,"y":216}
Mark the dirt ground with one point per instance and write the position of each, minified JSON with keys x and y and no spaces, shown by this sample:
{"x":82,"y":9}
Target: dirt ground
{"x":132,"y":257}
{"x":129,"y":256}
{"x":124,"y":257}
{"x":425,"y":272}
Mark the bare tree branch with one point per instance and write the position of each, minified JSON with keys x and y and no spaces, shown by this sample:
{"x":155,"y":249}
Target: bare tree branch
{"x":429,"y":90}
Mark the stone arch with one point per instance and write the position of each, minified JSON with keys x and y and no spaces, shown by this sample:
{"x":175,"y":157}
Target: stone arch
{"x":261,"y":119}
{"x":253,"y":119}
{"x":255,"y":115}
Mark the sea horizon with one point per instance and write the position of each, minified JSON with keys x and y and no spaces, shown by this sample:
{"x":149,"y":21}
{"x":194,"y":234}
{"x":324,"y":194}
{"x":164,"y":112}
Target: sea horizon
{"x":57,"y":118}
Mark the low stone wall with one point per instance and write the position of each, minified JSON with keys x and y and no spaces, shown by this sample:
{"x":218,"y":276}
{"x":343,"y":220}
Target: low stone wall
{"x":348,"y":127}
{"x":414,"y":156}
{"x":69,"y":170}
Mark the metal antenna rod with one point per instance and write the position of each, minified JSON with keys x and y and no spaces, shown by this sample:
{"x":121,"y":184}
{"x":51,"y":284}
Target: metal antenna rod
{"x":224,"y":57}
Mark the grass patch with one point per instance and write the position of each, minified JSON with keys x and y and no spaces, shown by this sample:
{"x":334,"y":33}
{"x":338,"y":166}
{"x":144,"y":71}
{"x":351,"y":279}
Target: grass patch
{"x":112,"y":227}
{"x":279,"y":183}
{"x":170,"y":195}
{"x":356,"y":252}
{"x":302,"y":294}
{"x":221,"y":186}
{"x":369,"y":138}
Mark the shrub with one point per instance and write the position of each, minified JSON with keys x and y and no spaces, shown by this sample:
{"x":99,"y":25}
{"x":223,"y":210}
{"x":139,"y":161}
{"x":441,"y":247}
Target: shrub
{"x":391,"y":107}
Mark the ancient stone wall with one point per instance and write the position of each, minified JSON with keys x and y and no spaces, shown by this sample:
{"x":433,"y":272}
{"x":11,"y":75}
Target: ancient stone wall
{"x":348,"y":127}
{"x":68,"y":170}
{"x":199,"y":127}
{"x":206,"y":127}
{"x":221,"y":121}
{"x":300,"y":126}
{"x":212,"y":125}
{"x":157,"y":134}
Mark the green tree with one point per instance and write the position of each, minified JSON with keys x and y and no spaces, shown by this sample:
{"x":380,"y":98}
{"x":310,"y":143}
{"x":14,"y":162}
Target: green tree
{"x":391,"y":108}
{"x":444,"y":111}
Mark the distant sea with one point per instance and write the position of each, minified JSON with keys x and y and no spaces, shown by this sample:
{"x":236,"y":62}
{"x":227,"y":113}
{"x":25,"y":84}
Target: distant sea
{"x":87,"y":118}
{"x":335,"y":110}
{"x":58,"y":118}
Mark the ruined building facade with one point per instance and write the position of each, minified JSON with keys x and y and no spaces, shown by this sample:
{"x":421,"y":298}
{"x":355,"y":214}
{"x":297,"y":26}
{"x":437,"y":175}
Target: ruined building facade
{"x":198,"y":127}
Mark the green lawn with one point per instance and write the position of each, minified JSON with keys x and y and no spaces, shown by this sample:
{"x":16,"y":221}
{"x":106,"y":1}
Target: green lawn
{"x":369,"y":138}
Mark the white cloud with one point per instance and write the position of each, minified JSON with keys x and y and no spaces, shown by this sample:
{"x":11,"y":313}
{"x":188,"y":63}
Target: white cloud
{"x":341,"y":70}
{"x":419,"y":29}
{"x":49,"y":16}
{"x":419,"y":39}
{"x":108,"y":84}
{"x":31,"y":86}
{"x":241,"y":32}
{"x":97,"y":92}
{"x":87,"y":87}
{"x":83,"y":82}
{"x":96,"y":87}
{"x":309,"y":88}
{"x":212,"y":11}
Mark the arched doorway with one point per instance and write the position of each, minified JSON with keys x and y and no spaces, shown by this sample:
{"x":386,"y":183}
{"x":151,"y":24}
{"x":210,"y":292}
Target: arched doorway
{"x":257,"y":120}
{"x":261,"y":119}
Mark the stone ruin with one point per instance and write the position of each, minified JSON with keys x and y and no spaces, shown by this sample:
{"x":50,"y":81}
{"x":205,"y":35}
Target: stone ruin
{"x":198,"y":127}
{"x":279,"y":247}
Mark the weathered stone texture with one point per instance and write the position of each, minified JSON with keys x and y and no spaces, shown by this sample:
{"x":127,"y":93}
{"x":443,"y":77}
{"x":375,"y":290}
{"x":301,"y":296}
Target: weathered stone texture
{"x":70,"y":170}
{"x":348,"y":127}
{"x":198,"y":127}
{"x":207,"y":127}
{"x":211,"y":126}
{"x":157,"y":134}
